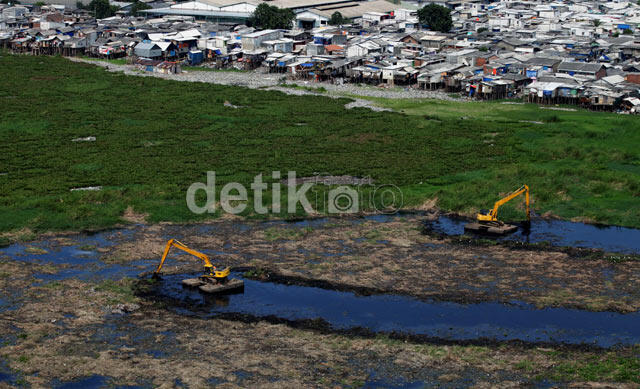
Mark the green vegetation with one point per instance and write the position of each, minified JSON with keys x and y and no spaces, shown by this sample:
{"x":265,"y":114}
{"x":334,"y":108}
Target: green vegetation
{"x":318,"y":89}
{"x":138,"y":6}
{"x":23,"y":359}
{"x":115,"y":61}
{"x":622,"y":366}
{"x":436,"y":17}
{"x":154,"y":138}
{"x":54,"y":285}
{"x":337,"y":19}
{"x":255,"y":273}
{"x":120,"y":291}
{"x":268,"y":16}
{"x":100,"y":8}
{"x":579,"y":164}
{"x":578,"y":367}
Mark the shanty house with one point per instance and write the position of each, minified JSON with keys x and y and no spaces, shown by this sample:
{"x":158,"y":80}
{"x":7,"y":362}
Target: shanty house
{"x":433,"y":41}
{"x":310,"y":19}
{"x":284,"y":45}
{"x":594,"y":70}
{"x":253,"y":41}
{"x":148,"y":50}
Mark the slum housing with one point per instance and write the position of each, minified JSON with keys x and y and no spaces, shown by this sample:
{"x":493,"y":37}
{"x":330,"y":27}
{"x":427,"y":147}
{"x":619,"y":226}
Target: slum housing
{"x":571,"y":52}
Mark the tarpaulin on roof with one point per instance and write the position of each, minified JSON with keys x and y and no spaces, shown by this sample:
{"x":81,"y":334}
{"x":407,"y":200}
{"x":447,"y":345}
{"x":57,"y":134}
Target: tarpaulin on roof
{"x":217,"y":51}
{"x":281,"y":63}
{"x":307,"y":64}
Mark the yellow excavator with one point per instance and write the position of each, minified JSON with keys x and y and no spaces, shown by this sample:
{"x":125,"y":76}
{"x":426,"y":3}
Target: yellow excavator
{"x":487,"y":220}
{"x":211,"y":281}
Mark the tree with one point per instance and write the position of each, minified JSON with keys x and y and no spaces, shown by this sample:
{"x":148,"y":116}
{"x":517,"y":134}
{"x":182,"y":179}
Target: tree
{"x":101,"y":9}
{"x":436,"y":17}
{"x":337,"y":19}
{"x":482,"y":29}
{"x":596,"y":22}
{"x":627,"y":32}
{"x":138,"y":6}
{"x":271,"y":17}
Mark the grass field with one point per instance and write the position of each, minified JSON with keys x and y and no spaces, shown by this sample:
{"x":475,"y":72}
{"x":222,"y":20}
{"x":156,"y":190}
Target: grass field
{"x":156,"y":137}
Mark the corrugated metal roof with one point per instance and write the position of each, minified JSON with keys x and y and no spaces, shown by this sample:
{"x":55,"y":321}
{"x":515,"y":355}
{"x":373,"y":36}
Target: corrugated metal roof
{"x":351,"y":12}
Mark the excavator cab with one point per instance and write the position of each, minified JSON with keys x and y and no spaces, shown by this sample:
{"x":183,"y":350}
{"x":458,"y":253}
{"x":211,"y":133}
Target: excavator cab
{"x":484,"y":214}
{"x":211,"y":271}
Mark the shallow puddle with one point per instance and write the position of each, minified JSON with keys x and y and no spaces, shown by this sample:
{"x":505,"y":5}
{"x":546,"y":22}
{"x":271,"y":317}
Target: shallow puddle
{"x":80,"y":261}
{"x":558,"y":233}
{"x":400,"y":314}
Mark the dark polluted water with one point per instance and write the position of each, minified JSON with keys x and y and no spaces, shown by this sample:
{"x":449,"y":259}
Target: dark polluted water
{"x":401,"y":314}
{"x":558,"y":233}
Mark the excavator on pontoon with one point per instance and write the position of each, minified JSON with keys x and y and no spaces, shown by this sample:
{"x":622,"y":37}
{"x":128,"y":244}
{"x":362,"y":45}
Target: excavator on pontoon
{"x":211,"y":281}
{"x":487,"y":220}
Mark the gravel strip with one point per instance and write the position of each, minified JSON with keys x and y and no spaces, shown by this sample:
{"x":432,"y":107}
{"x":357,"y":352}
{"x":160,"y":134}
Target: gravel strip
{"x":272,"y":81}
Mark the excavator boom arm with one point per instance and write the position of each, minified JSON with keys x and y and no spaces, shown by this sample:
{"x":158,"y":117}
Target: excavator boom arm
{"x":181,"y":246}
{"x":524,"y":189}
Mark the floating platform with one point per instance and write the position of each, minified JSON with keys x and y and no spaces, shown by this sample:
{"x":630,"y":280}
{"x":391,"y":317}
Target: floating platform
{"x":490,"y":229}
{"x":209,"y":287}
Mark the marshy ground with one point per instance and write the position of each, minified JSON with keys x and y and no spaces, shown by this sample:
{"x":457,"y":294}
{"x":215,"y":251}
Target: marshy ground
{"x":73,"y":310}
